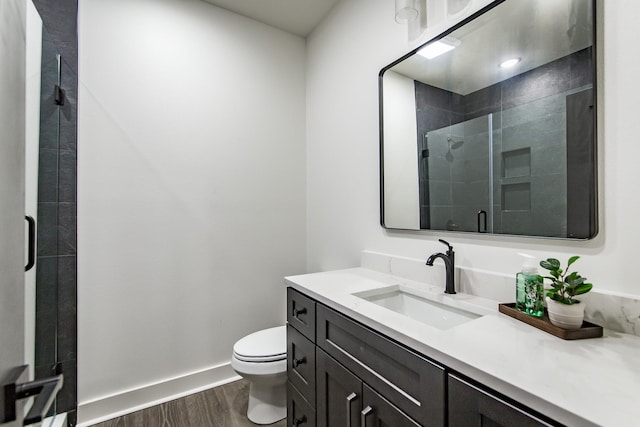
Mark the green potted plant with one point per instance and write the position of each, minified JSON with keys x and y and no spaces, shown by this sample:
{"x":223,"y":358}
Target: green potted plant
{"x":564,"y":309}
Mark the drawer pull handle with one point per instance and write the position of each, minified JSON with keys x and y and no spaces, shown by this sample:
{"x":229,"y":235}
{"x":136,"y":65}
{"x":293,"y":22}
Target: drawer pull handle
{"x":298,"y":362}
{"x":297,"y":312}
{"x":298,"y":421}
{"x":364,"y":414}
{"x":350,"y":399}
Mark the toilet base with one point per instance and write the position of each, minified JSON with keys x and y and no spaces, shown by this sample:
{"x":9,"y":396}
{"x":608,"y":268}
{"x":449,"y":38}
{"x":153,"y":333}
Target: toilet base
{"x":267,"y":403}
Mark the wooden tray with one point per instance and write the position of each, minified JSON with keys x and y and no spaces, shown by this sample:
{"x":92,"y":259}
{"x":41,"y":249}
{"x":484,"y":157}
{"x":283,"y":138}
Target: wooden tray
{"x":587,"y":330}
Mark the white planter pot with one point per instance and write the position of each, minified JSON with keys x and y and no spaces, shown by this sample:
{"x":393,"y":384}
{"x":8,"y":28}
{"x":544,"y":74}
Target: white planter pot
{"x":565,"y":316}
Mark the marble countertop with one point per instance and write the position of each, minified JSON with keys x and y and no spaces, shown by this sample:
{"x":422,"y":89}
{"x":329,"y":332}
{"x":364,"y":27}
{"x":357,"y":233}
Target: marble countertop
{"x":591,"y":382}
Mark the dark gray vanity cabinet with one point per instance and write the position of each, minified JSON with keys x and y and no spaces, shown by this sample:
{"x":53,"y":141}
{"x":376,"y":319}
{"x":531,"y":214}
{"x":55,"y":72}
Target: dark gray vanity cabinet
{"x":344,"y":400}
{"x":342,"y":373}
{"x":299,"y":410}
{"x":301,"y":363}
{"x":379,"y":412}
{"x":301,"y":313}
{"x":301,"y":360}
{"x":339,"y":393}
{"x":412,"y":383}
{"x":470,"y":405}
{"x":361,"y":377}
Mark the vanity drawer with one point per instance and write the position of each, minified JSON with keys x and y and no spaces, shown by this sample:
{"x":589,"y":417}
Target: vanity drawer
{"x":409,"y":381}
{"x":471,"y":405}
{"x":301,"y":364}
{"x":301,"y":313}
{"x":299,"y":412}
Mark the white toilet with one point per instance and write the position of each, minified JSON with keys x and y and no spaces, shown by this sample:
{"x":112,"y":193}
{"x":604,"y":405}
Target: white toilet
{"x":261,"y":359}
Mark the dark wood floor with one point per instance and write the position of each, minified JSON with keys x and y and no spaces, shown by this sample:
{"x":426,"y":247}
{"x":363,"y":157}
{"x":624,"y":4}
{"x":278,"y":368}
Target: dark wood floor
{"x":224,"y":406}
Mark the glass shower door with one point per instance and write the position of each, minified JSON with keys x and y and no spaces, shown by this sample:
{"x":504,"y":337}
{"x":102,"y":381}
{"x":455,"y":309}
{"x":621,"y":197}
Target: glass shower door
{"x":460,"y":177}
{"x":42,"y":200}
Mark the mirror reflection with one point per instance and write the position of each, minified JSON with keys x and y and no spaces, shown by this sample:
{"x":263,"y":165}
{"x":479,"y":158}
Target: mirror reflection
{"x":490,"y":127}
{"x":42,"y":196}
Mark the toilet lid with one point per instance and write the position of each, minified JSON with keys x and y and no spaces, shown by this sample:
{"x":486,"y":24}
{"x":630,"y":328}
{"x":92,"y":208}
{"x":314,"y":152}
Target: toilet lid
{"x":263,"y":346}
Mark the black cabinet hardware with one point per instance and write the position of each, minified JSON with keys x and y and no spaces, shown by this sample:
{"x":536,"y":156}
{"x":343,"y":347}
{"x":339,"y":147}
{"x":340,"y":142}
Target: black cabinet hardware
{"x":298,"y":421}
{"x":58,"y":95}
{"x":298,"y":362}
{"x":31,"y":244}
{"x":483,"y":228}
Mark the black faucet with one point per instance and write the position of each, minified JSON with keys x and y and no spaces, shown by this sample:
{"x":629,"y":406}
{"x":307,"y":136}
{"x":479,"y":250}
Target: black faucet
{"x":449,"y":265}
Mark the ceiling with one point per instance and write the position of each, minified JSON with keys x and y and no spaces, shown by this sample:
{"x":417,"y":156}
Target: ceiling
{"x":294,"y":16}
{"x":537,"y":31}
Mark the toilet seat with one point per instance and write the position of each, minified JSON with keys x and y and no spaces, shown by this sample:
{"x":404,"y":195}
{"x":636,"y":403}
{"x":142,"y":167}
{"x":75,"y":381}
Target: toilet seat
{"x":268,"y":345}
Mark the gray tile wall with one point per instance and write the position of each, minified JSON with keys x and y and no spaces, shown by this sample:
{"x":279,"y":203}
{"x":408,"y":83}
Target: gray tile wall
{"x":435,"y":109}
{"x":56,"y":258}
{"x":450,"y":180}
{"x":533,"y":161}
{"x":459,"y":174}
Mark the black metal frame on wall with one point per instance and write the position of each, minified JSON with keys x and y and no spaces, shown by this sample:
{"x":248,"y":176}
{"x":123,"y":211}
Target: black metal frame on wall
{"x":515,"y":191}
{"x":56,"y":274}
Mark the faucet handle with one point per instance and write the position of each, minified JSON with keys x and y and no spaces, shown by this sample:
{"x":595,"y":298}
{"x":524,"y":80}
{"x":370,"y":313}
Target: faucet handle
{"x":446,"y":243}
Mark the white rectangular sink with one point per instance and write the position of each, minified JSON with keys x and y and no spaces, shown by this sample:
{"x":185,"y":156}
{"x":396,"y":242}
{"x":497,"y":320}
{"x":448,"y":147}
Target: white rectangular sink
{"x":408,"y":302}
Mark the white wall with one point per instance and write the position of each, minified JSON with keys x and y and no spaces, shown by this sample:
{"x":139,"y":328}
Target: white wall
{"x":345,"y":54}
{"x":190,"y":192}
{"x":192,"y":178}
{"x":401,"y":191}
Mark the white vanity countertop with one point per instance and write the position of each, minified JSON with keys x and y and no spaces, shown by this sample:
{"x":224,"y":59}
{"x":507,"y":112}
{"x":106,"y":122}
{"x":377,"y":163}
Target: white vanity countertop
{"x":579,"y":383}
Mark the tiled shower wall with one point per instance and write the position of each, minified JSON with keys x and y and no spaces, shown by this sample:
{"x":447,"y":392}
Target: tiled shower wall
{"x":527,"y":160}
{"x":56,"y":257}
{"x":521,"y":171}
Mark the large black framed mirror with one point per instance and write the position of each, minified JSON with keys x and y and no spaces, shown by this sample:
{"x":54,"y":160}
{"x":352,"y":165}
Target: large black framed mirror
{"x":490,"y":127}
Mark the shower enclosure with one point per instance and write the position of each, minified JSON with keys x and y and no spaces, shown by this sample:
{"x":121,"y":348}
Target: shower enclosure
{"x":456,"y":177}
{"x":499,"y":172}
{"x":50,"y":198}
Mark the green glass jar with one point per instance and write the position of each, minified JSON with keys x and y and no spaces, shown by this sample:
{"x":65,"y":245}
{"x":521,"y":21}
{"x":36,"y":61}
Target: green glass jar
{"x":534,"y":296}
{"x":529,"y":288}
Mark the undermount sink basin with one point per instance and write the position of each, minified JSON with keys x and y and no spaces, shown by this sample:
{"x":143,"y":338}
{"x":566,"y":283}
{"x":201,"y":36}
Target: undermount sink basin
{"x":409,"y":303}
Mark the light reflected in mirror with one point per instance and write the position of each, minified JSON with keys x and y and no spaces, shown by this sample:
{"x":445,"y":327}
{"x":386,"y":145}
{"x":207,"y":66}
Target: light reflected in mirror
{"x":469,"y":143}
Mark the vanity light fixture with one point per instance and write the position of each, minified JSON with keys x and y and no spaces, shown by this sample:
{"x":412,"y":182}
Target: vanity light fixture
{"x":439,"y":47}
{"x":407,"y":10}
{"x":509,"y":62}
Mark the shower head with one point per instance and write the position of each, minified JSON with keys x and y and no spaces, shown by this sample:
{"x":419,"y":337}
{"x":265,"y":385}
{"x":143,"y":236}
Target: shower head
{"x":455,"y":143}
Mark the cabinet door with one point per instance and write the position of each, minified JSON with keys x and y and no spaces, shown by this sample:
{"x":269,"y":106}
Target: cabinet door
{"x":338,"y":393}
{"x":301,"y":313}
{"x":301,"y":364}
{"x":300,"y":413}
{"x":409,"y":381}
{"x":472,"y":406}
{"x":379,"y":412}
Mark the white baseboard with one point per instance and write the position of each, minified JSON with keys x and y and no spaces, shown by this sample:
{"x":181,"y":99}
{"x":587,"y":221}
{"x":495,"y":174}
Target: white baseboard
{"x":116,"y":405}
